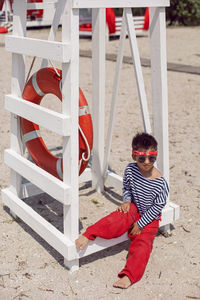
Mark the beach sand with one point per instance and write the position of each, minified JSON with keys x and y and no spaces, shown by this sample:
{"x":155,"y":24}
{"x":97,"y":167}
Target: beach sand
{"x":31,"y":269}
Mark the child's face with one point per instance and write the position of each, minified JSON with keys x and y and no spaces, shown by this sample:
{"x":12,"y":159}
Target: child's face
{"x":145,"y":158}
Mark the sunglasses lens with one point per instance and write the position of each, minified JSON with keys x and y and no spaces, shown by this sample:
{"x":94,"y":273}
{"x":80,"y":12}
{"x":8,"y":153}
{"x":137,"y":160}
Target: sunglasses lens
{"x":152,"y":159}
{"x":141,"y":159}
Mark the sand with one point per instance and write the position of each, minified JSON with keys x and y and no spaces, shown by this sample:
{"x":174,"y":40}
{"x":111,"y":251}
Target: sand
{"x":31,"y":269}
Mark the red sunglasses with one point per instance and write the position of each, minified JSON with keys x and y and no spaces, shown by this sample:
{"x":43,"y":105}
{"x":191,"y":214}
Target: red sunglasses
{"x":151,"y":156}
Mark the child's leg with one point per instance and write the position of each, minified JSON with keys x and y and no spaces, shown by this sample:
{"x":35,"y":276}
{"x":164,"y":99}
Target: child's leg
{"x":139,"y":252}
{"x":113,"y":225}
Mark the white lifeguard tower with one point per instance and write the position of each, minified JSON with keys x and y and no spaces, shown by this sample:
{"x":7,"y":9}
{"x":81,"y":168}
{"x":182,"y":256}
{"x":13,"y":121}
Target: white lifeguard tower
{"x":66,"y":123}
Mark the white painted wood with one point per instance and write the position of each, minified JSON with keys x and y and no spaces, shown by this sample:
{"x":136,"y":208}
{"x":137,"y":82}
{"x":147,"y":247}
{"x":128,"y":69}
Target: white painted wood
{"x":100,"y":244}
{"x":31,"y":6}
{"x":119,"y":3}
{"x":54,"y":26}
{"x":72,"y":265}
{"x":165,"y":229}
{"x":114,"y":180}
{"x":29,"y":190}
{"x":17,"y":85}
{"x":41,"y":5}
{"x":98,"y":95}
{"x":86,"y":176}
{"x":114,"y":95}
{"x":70,"y":104}
{"x":47,"y":118}
{"x":138,"y":70}
{"x":40,"y":48}
{"x":176,"y":210}
{"x":47,"y":231}
{"x":45,"y":181}
{"x":159,"y":86}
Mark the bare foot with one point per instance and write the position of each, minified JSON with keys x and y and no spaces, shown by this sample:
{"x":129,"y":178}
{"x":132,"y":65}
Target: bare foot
{"x":81,"y":242}
{"x":123,"y":283}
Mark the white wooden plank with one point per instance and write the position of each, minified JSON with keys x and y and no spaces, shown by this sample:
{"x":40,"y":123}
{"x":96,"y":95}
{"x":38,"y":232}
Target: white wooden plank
{"x":29,"y":190}
{"x":70,"y":96}
{"x":47,"y":118}
{"x":35,"y":47}
{"x":45,"y":181}
{"x":54,"y":26}
{"x":167,"y":216}
{"x":41,"y":5}
{"x":159,"y":86}
{"x":114,"y":95}
{"x":119,"y":3}
{"x":100,"y":244}
{"x":98,"y":95}
{"x":46,"y":230}
{"x":138,"y":70}
{"x":176,"y":210}
{"x":17,"y":85}
{"x":35,"y":6}
{"x":114,"y":180}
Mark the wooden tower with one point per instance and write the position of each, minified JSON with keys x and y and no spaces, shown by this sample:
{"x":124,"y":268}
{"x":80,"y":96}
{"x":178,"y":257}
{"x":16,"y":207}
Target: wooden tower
{"x":66,"y":123}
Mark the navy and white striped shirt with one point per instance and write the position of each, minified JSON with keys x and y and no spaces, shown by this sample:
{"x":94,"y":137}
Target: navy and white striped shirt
{"x":149,"y":195}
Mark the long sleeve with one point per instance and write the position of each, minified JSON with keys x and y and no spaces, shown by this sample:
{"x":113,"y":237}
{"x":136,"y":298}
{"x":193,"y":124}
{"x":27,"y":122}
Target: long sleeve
{"x":127,"y":194}
{"x":155,"y":210}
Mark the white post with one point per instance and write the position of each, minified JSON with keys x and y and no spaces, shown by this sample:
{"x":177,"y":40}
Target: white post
{"x":98,"y":94}
{"x":17,"y":85}
{"x":70,"y":104}
{"x":138,"y":69}
{"x":114,"y":95}
{"x":54,"y":26}
{"x":159,"y":86}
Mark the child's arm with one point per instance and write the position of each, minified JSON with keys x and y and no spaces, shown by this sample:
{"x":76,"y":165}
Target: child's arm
{"x":155,"y":210}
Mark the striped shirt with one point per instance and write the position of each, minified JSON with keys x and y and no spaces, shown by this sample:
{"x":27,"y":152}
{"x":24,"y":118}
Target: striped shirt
{"x":149,"y":195}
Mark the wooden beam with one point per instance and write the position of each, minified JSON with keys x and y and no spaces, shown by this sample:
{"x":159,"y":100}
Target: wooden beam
{"x":42,"y":227}
{"x":98,"y":95}
{"x":119,"y":3}
{"x":159,"y":86}
{"x":45,"y":181}
{"x":35,"y":47}
{"x":45,"y":117}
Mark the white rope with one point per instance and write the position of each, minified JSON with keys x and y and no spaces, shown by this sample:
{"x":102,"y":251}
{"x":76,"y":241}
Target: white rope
{"x":30,"y":69}
{"x":86,"y":142}
{"x":79,"y":166}
{"x":54,"y":68}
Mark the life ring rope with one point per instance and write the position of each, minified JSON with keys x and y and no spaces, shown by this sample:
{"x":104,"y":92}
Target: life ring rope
{"x":87,"y":145}
{"x":54,"y":68}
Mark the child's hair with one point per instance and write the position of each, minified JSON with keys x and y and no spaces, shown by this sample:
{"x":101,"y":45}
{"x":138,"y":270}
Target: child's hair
{"x":144,"y":140}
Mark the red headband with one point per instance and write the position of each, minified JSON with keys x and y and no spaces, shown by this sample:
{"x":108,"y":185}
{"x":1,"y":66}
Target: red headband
{"x":135,"y":152}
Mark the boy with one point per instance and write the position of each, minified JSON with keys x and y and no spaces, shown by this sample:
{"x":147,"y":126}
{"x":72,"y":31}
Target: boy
{"x":144,"y":195}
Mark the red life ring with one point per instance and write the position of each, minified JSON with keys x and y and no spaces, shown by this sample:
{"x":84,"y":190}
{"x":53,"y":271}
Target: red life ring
{"x":48,"y":81}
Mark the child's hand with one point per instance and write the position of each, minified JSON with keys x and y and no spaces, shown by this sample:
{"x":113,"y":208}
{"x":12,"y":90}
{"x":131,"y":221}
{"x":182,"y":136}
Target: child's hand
{"x":124,"y":207}
{"x":136,"y":229}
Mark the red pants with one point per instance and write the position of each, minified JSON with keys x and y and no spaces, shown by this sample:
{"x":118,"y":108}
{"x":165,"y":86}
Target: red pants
{"x":116,"y":224}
